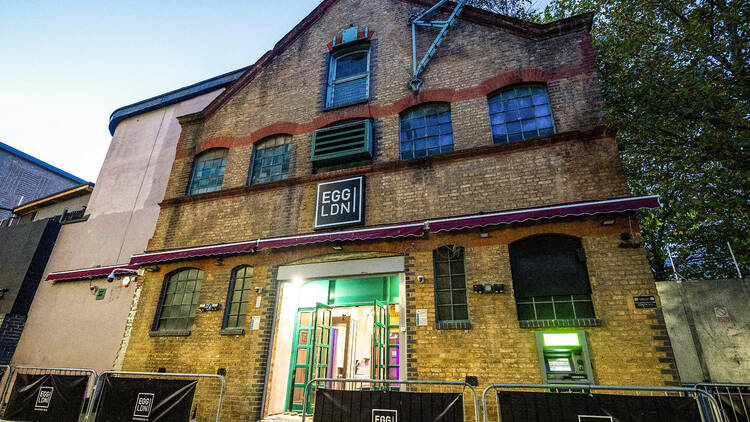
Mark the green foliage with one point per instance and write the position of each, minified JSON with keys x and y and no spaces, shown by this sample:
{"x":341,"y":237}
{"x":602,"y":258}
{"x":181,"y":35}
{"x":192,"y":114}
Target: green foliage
{"x":520,"y":9}
{"x":676,"y":78}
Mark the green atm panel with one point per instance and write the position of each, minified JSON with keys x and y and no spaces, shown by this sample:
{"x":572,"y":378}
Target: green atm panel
{"x":564,"y":357}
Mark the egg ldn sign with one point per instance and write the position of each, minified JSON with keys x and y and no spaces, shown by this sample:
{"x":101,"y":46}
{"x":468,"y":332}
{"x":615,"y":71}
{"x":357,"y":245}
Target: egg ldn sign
{"x":340,"y":203}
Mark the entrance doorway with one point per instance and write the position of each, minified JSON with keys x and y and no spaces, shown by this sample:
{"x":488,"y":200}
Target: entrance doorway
{"x":354,"y":334}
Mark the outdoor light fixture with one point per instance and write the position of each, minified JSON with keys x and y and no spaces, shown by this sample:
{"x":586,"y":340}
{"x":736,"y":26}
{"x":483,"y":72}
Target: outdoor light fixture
{"x":561,"y":339}
{"x":219,"y":261}
{"x":498,"y":288}
{"x":297,"y":281}
{"x":484,"y":235}
{"x":478,"y":288}
{"x":153,"y":268}
{"x":210,"y":307}
{"x":608,"y":222}
{"x":488,"y":288}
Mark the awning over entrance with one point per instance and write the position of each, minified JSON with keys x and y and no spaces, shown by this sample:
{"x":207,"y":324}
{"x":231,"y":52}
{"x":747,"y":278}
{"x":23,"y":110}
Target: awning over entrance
{"x":416,"y":228}
{"x":92,"y":272}
{"x":567,"y":210}
{"x":177,"y":254}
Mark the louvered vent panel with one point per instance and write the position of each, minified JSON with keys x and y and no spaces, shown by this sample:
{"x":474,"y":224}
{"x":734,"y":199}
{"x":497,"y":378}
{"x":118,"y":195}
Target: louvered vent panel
{"x":342,"y":143}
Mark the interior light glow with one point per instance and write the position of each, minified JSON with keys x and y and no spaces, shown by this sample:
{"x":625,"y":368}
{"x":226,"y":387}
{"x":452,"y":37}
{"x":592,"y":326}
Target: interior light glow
{"x":297,"y":281}
{"x":561,"y":339}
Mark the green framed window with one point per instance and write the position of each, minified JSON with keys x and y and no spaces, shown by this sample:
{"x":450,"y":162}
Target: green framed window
{"x":179,"y":300}
{"x":426,"y":130}
{"x":238,"y":297}
{"x":550,"y":279}
{"x":450,"y":284}
{"x":208,"y":171}
{"x":270,"y":160}
{"x":348,"y":78}
{"x":520,"y":113}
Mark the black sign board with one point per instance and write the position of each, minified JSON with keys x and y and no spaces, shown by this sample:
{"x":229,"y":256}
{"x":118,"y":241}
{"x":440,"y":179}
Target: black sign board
{"x":145,"y":400}
{"x":399,"y":406}
{"x":644,"y":302}
{"x":384,"y":415}
{"x":47,"y":397}
{"x":518,"y":406}
{"x":340,"y":203}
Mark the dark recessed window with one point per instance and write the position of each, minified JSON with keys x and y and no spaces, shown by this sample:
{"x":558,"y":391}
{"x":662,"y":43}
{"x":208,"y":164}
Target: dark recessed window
{"x":520,"y":113}
{"x":179,"y":300}
{"x":270,"y":160}
{"x":550,"y":279}
{"x":450,"y":284}
{"x":426,"y":130}
{"x":348,"y":78}
{"x":235,"y":313}
{"x":208,"y":171}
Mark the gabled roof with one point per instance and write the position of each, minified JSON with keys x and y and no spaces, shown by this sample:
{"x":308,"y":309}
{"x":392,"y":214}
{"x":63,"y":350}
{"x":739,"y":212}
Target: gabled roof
{"x":516,"y":26}
{"x":56,"y":197}
{"x":41,"y":163}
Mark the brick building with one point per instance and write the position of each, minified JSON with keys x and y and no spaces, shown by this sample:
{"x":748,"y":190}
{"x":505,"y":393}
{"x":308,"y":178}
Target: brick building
{"x":434,"y":234}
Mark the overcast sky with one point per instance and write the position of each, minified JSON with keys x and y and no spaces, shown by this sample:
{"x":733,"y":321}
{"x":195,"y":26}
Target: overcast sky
{"x":65,"y":66}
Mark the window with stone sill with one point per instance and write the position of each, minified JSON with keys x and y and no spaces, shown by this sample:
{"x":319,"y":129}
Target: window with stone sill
{"x":451,"y":305}
{"x":238,"y":298}
{"x":178,"y":301}
{"x":550,"y":279}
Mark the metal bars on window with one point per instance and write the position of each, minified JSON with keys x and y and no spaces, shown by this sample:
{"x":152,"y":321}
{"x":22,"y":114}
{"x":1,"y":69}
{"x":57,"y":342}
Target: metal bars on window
{"x":450,"y":284}
{"x":180,"y":300}
{"x":555,"y":307}
{"x":426,"y":130}
{"x":238,"y":298}
{"x":520,"y":113}
{"x":208,"y":171}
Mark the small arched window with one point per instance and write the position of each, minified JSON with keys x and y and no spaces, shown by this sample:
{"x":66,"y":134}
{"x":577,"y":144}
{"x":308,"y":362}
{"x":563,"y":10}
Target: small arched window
{"x":450,"y":284}
{"x":426,"y":130}
{"x":348,"y":78}
{"x":208,"y":171}
{"x":270,"y":159}
{"x":178,"y":301}
{"x":550,"y":279}
{"x":238,"y":297}
{"x":520,"y":113}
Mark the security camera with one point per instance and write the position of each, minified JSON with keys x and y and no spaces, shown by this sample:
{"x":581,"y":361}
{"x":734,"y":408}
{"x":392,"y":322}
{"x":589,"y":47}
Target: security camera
{"x":111,"y":277}
{"x":258,"y":290}
{"x":420,"y":278}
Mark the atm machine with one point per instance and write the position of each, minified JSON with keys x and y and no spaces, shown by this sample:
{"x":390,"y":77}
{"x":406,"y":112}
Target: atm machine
{"x":564,"y":357}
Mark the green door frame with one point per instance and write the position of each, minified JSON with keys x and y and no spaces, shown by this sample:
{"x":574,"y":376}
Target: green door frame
{"x":294,"y":364}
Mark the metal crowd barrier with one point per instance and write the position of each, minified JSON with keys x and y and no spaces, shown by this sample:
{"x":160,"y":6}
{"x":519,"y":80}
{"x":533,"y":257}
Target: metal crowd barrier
{"x":35,"y":370}
{"x":346,"y":383}
{"x":733,"y":399}
{"x":92,"y":403}
{"x":711,"y":415}
{"x":5,"y":379}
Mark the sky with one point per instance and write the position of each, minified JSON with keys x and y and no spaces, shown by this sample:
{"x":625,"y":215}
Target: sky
{"x":65,"y":66}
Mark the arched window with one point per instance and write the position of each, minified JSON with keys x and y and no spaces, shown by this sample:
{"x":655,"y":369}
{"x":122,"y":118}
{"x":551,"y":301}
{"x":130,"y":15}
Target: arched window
{"x":426,"y":130}
{"x":208,"y":171}
{"x":450,"y":284}
{"x":348,"y":78}
{"x":520,"y":113}
{"x":270,"y":159}
{"x":550,"y":279}
{"x":238,"y":297}
{"x":178,"y":301}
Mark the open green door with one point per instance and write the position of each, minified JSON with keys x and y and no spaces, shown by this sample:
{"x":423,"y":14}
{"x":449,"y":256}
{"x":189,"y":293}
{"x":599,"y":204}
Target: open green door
{"x":379,"y":357}
{"x":310,"y":352}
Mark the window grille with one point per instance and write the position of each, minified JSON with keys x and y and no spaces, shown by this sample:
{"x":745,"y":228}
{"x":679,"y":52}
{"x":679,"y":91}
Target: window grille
{"x":520,"y":113}
{"x":426,"y":130}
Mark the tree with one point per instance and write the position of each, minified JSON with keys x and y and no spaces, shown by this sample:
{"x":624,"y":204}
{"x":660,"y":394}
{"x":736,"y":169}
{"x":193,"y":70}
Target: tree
{"x":520,"y":9}
{"x":676,"y":79}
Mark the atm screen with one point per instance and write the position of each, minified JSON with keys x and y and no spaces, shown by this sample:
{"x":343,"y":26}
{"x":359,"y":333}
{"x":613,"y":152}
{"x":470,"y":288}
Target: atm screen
{"x":559,"y":365}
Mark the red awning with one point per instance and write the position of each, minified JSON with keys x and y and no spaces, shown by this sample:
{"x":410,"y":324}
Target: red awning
{"x":177,"y":254}
{"x":568,"y":210}
{"x":92,"y":272}
{"x":402,"y":230}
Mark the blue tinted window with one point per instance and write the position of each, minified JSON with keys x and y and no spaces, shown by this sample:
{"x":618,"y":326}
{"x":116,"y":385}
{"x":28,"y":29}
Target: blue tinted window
{"x":208,"y":171}
{"x":271,"y":160}
{"x":349,"y":79}
{"x":426,"y":130}
{"x":520,"y":113}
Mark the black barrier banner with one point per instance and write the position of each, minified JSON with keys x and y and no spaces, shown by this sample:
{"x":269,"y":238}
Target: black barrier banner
{"x":46,"y":397}
{"x":145,"y":400}
{"x":517,"y":406}
{"x":387,"y":406}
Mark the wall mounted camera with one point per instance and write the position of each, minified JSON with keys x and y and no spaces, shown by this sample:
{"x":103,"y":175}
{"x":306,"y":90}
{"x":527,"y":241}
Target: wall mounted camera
{"x":258,"y":290}
{"x":420,"y":278}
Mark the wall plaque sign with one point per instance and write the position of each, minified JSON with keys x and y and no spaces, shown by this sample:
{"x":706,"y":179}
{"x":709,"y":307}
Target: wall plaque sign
{"x":340,"y":203}
{"x":644,"y":302}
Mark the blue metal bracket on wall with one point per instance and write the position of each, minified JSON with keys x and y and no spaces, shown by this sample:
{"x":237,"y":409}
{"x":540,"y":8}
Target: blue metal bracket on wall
{"x":422,"y":19}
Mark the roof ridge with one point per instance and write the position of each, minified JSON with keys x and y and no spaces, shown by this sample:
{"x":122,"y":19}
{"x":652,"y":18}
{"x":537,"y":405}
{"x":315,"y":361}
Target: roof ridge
{"x":41,"y":163}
